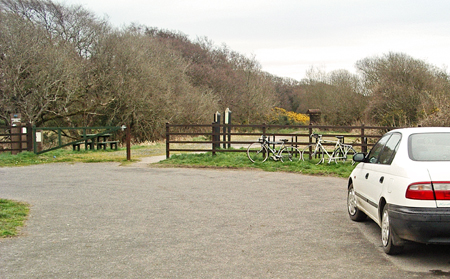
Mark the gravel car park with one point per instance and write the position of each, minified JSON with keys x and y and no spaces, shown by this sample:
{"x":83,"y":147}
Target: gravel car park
{"x":103,"y":220}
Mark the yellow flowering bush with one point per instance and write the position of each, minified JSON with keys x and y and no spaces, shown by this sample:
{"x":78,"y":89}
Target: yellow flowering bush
{"x":284,"y":117}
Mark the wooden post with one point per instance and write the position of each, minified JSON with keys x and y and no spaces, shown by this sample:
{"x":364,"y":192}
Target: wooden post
{"x":29,"y":136}
{"x":213,"y":137}
{"x":216,"y":133}
{"x":128,"y":143}
{"x":363,"y":140}
{"x":228,"y":113}
{"x":310,"y":139}
{"x":167,"y":141}
{"x":16,"y":133}
{"x":226,"y":128}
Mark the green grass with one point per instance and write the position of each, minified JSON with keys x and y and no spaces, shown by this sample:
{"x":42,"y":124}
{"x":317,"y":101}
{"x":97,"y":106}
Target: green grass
{"x":12,"y":216}
{"x":83,"y":156}
{"x":240,"y":161}
{"x":58,"y":156}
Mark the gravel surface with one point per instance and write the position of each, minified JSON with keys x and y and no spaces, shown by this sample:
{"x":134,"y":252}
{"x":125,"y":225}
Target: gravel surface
{"x":108,"y":221}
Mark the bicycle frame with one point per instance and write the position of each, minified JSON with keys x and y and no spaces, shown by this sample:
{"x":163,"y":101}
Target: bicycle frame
{"x":321,"y":148}
{"x":262,"y":149}
{"x":340,"y":149}
{"x":274,"y":151}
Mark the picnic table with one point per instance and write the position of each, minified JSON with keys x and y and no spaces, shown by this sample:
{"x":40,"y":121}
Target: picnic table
{"x":99,"y":138}
{"x":93,"y":139}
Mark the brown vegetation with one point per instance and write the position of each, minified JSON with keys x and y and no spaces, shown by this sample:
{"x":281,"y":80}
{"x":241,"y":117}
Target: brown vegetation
{"x":64,"y":66}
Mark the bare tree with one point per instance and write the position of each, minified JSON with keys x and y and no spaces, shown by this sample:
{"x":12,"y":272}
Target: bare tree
{"x":74,"y":25}
{"x":337,"y":94}
{"x":46,"y":50}
{"x":148,"y":85}
{"x":37,"y":72}
{"x":400,"y":88}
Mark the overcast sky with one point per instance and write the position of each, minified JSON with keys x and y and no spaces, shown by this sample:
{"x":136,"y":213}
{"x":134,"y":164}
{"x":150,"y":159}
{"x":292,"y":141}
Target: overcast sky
{"x":288,"y":37}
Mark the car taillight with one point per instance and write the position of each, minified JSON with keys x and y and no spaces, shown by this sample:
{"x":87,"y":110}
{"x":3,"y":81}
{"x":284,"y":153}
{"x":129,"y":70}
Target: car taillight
{"x":442,"y":190}
{"x":420,"y":191}
{"x":424,"y":191}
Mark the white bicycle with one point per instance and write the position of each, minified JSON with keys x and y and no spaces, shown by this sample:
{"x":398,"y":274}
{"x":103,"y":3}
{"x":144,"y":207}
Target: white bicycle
{"x":317,"y":152}
{"x":259,"y":151}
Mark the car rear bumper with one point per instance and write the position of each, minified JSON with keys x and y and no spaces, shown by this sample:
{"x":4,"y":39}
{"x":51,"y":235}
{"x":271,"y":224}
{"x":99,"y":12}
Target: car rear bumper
{"x":425,"y":225}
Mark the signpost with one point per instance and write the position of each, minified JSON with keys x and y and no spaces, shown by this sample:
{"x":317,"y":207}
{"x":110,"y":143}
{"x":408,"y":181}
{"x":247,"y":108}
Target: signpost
{"x":227,"y":128}
{"x":16,"y":140}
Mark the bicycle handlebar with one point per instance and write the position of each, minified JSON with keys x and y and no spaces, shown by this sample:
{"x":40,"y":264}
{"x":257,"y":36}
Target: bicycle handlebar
{"x":267,"y":140}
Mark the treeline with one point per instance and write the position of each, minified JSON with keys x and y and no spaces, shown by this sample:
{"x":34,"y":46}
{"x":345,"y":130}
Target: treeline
{"x":64,"y":66}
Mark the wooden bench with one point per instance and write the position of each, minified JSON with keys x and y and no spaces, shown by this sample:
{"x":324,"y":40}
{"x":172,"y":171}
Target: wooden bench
{"x":103,"y":144}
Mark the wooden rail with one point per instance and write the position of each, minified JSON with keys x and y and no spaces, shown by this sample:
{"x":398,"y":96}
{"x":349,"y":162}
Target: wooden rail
{"x":219,"y":136}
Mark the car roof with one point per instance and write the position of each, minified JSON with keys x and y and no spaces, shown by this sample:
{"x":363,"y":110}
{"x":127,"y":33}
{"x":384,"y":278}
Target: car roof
{"x":417,"y":130}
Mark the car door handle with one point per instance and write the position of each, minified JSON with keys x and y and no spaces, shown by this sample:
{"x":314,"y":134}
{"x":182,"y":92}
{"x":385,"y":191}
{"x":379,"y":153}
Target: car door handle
{"x":381,"y":179}
{"x":367,"y":175}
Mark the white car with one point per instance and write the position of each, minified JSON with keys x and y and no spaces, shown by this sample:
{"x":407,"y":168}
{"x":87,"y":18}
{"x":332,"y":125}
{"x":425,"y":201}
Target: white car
{"x":403,"y":184}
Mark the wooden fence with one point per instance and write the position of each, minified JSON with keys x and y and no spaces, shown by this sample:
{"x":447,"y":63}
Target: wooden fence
{"x":219,"y":137}
{"x":16,"y":139}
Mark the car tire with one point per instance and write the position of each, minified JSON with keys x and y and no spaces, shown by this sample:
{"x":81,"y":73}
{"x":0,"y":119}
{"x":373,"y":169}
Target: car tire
{"x":387,"y":234}
{"x":353,"y":211}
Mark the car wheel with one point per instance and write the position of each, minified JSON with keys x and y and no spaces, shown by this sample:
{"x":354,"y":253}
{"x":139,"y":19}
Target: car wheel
{"x":353,"y":210}
{"x":386,"y":235}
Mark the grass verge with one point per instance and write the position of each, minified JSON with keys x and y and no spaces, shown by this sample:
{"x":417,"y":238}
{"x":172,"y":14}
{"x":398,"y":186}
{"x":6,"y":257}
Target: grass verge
{"x":12,"y":216}
{"x":240,"y":161}
{"x":82,"y":156}
{"x":58,"y":156}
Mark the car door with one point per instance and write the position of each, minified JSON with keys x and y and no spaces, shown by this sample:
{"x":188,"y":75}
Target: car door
{"x":376,"y":174}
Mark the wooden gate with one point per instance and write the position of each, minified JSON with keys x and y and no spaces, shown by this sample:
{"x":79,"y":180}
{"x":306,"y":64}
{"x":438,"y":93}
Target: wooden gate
{"x":16,"y":139}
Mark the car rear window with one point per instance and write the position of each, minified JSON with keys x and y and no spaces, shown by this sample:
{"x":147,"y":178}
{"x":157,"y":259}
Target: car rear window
{"x":429,"y":147}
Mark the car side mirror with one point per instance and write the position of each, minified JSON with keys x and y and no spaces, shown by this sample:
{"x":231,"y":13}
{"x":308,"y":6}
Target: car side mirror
{"x":359,"y":157}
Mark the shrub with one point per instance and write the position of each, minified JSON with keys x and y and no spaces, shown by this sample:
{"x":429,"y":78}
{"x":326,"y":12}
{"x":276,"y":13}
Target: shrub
{"x":283,"y":117}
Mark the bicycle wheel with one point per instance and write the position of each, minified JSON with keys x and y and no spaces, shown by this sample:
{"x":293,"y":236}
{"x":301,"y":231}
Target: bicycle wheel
{"x":338,"y":154}
{"x":257,"y":152}
{"x":350,"y":151}
{"x":316,"y":155}
{"x":290,"y":153}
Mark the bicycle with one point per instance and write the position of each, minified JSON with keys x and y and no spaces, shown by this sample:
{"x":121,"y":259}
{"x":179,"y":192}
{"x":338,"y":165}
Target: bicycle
{"x":259,"y":151}
{"x":318,"y":151}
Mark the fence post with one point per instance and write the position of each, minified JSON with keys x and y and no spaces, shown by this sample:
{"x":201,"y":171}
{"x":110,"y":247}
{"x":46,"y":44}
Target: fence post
{"x":363,"y":140}
{"x":213,"y":137}
{"x":217,"y":131}
{"x":128,"y":142}
{"x":224,"y":135}
{"x":59,"y":137}
{"x":29,"y":137}
{"x":310,"y":130}
{"x":84,"y":137}
{"x":34,"y":140}
{"x":228,"y":112}
{"x":226,"y":128}
{"x":167,"y":140}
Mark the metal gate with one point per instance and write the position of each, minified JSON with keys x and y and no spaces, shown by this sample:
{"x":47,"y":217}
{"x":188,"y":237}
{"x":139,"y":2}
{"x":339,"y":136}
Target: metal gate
{"x":19,"y":138}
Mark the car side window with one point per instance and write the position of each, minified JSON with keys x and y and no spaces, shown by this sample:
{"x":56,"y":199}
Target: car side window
{"x":390,"y":149}
{"x":376,"y":150}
